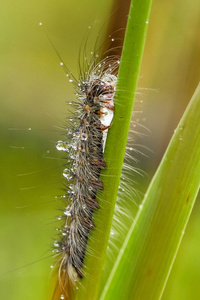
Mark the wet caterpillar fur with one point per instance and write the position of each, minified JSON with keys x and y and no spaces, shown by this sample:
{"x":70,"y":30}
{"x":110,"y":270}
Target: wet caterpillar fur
{"x":84,"y":145}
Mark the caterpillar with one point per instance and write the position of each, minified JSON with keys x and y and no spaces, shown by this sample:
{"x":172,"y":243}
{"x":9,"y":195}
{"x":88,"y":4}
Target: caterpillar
{"x":84,"y":148}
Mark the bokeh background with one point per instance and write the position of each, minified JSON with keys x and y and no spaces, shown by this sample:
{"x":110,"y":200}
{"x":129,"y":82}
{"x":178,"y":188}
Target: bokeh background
{"x":33,"y":95}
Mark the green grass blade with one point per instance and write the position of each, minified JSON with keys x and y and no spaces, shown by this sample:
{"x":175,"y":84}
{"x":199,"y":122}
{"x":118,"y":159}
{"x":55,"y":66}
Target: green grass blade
{"x":144,"y":263}
{"x":115,"y":147}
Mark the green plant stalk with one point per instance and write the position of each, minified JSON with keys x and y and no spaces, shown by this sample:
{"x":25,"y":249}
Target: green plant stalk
{"x":145,"y":261}
{"x":115,"y":146}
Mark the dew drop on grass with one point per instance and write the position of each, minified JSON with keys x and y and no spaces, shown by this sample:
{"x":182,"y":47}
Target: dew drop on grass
{"x":140,"y":206}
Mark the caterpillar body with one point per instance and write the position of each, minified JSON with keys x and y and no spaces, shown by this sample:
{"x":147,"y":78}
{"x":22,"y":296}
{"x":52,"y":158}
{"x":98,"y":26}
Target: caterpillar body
{"x":85,"y":143}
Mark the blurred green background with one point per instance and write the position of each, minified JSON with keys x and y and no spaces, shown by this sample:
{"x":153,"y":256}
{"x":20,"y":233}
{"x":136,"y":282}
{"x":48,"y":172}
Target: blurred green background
{"x":34,"y":91}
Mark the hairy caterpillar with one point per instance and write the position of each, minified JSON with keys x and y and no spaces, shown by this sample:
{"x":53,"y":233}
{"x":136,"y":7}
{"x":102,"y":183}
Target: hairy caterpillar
{"x":84,"y":146}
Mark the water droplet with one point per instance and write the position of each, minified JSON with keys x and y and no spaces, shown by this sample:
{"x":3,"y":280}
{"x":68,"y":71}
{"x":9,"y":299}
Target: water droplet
{"x":51,"y":267}
{"x":70,"y":80}
{"x":61,"y":146}
{"x":147,"y":22}
{"x":62,"y":297}
{"x":84,"y":137}
{"x":29,"y":128}
{"x":67,"y":213}
{"x":112,"y":40}
{"x":67,"y":175}
{"x":61,"y":63}
{"x":40,"y":24}
{"x":56,"y":244}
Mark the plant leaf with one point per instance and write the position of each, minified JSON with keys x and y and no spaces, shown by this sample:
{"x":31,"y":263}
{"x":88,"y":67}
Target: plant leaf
{"x":146,"y":258}
{"x":115,"y":147}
